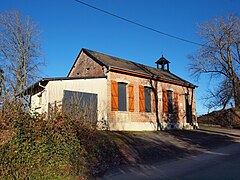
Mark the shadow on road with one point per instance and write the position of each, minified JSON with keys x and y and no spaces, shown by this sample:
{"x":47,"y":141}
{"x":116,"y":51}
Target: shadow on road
{"x":172,"y":153}
{"x":223,"y":133}
{"x":151,"y":147}
{"x":203,"y":138}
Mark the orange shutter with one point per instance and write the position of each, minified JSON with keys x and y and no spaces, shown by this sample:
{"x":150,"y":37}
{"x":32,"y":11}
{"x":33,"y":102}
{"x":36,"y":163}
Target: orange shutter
{"x":175,"y":102}
{"x":131,"y":97}
{"x":141,"y":99}
{"x":154,"y":102}
{"x":114,"y":96}
{"x":165,"y":102}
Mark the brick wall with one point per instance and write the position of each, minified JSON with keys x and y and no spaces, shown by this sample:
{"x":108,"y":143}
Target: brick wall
{"x":85,"y":66}
{"x":120,"y":120}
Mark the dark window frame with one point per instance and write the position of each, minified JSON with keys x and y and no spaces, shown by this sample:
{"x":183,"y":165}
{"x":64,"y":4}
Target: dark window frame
{"x":148,"y":99}
{"x":170,"y":101}
{"x":122,"y":96}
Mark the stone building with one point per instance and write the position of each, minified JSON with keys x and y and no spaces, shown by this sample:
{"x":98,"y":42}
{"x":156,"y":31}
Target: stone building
{"x":126,"y":95}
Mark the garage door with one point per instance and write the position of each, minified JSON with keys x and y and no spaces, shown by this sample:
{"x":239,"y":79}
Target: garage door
{"x":81,"y":104}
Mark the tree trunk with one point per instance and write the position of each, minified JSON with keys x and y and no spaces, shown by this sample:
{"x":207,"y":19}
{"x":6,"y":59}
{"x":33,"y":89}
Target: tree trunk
{"x":236,"y":88}
{"x":155,"y":92}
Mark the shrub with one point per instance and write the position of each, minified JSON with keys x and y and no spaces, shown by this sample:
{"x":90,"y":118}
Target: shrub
{"x":56,"y":148}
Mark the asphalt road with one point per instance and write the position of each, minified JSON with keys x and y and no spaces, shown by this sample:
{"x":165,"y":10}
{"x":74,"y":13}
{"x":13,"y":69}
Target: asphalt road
{"x":220,"y":163}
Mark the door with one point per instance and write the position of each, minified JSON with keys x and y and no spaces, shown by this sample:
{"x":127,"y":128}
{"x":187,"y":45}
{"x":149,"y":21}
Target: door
{"x":188,"y":109}
{"x":80,"y":104}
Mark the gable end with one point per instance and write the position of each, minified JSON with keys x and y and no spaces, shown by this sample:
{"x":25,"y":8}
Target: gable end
{"x":86,"y":65}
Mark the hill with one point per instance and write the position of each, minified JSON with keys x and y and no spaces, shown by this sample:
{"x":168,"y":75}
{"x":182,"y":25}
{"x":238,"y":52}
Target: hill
{"x":225,"y":118}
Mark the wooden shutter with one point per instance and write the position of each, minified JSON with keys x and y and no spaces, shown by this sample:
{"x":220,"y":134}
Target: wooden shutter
{"x":131,"y":97}
{"x":141,"y":99}
{"x":165,"y":101}
{"x":175,"y":102}
{"x":114,"y":94}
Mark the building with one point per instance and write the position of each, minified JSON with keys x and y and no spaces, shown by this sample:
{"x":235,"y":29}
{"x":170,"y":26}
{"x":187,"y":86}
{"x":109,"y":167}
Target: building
{"x":125,"y":95}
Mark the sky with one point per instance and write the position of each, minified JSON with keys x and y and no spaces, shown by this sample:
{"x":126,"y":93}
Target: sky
{"x":66,"y":26}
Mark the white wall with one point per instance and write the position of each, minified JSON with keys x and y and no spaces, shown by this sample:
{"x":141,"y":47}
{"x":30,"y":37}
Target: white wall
{"x":54,"y":93}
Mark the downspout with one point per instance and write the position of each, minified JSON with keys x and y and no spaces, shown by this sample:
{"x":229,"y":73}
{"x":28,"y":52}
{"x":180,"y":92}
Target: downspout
{"x":44,"y":87}
{"x":105,"y":70}
{"x":104,"y":116}
{"x":39,"y":84}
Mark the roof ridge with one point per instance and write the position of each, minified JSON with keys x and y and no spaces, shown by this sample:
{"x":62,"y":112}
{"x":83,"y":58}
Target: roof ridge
{"x":133,"y":62}
{"x":108,"y":55}
{"x":122,"y":59}
{"x":128,"y":65}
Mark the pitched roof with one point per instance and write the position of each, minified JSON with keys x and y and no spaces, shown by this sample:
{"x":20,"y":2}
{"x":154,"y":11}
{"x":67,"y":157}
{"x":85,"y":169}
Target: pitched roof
{"x":114,"y":62}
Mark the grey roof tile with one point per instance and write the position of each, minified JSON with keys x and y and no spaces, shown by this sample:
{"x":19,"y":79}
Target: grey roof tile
{"x":111,"y":61}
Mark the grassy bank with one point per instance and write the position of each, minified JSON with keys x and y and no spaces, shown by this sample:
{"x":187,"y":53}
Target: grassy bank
{"x":58,"y":147}
{"x":226,"y":118}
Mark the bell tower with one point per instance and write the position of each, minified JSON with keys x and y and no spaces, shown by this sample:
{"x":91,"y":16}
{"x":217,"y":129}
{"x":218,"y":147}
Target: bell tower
{"x":163,"y":63}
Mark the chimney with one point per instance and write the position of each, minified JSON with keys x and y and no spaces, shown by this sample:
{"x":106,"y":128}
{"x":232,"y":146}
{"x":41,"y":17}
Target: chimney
{"x":164,"y":63}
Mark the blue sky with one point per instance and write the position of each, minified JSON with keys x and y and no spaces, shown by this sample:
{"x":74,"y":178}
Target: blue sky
{"x":67,"y":26}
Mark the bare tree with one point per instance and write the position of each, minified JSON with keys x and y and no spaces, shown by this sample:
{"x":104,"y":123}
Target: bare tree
{"x":1,"y":82}
{"x":19,"y":52}
{"x":219,"y":58}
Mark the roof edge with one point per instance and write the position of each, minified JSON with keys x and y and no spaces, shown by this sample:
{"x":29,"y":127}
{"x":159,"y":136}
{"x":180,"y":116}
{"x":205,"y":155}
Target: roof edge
{"x":186,"y":83}
{"x":59,"y":79}
{"x":93,"y":57}
{"x":72,"y":78}
{"x":89,"y":55}
{"x":74,"y":62}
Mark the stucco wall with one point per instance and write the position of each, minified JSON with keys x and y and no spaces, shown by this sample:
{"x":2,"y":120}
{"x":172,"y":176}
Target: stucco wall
{"x":53,"y":93}
{"x":136,"y":120}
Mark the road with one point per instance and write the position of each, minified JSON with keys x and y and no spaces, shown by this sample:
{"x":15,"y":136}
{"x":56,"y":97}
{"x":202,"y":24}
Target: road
{"x":220,"y":163}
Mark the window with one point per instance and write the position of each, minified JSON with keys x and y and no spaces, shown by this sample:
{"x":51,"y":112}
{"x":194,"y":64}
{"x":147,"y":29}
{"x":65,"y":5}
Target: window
{"x":119,"y":96}
{"x":147,"y":95}
{"x":145,"y":99}
{"x":122,"y":97}
{"x":170,"y":102}
{"x":176,"y":109}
